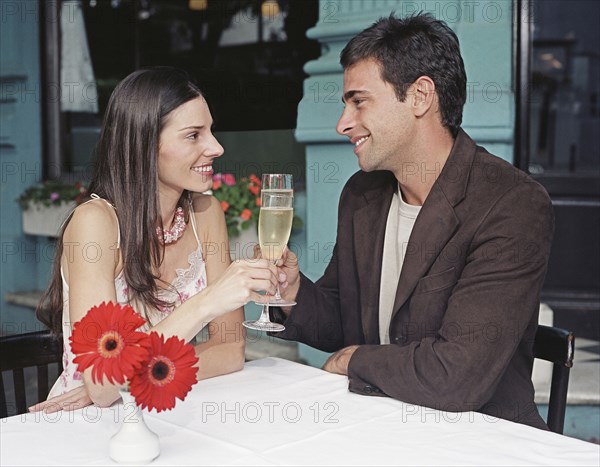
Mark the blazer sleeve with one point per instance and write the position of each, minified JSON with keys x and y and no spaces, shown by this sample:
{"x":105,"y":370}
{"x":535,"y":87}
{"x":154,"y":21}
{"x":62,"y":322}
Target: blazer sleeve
{"x":315,"y":320}
{"x":487,"y":314}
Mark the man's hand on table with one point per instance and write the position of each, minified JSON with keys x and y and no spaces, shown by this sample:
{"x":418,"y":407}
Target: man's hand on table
{"x":338,"y":362}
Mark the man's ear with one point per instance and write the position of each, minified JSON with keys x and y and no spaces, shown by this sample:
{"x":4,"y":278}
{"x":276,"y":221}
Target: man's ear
{"x":424,"y":96}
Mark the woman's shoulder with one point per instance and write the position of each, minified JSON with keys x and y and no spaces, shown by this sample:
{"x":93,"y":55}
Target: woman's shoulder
{"x":205,"y":203}
{"x":95,"y":219}
{"x":209,"y":215}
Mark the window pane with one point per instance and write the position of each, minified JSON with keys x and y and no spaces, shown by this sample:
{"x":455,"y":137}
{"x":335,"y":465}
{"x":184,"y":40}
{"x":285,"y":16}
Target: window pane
{"x":565,"y":114}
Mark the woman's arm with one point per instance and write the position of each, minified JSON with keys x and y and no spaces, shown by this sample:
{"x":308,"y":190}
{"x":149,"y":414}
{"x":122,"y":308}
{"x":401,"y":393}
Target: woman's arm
{"x":230,"y":286}
{"x":220,"y":305}
{"x":90,"y":261}
{"x":224,"y":351}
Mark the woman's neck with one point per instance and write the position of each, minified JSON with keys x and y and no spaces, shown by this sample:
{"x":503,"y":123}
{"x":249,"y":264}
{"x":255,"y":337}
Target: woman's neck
{"x":168,"y":205}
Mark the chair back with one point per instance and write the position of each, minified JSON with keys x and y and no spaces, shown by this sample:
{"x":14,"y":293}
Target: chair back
{"x":557,"y":346}
{"x":17,"y":352}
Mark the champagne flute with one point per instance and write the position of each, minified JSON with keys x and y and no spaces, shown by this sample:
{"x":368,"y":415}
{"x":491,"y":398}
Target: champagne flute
{"x":274,"y":228}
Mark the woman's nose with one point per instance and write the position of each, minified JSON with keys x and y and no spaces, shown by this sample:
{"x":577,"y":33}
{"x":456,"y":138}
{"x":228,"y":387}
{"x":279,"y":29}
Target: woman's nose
{"x":215,"y":149}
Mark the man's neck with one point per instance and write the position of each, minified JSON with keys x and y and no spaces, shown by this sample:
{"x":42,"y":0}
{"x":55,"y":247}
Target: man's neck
{"x":417,"y":178}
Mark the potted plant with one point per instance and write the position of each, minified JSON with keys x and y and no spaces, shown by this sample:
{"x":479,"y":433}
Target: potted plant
{"x":46,"y":205}
{"x":240,"y":200}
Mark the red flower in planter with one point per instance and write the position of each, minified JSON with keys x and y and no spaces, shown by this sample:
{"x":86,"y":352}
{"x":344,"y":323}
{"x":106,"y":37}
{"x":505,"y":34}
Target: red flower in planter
{"x":246,"y":214}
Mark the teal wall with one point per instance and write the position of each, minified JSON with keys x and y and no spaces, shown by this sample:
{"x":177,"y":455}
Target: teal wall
{"x":485,"y":32}
{"x":25,"y":262}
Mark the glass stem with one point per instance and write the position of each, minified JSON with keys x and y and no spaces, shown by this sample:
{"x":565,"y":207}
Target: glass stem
{"x":264,"y":314}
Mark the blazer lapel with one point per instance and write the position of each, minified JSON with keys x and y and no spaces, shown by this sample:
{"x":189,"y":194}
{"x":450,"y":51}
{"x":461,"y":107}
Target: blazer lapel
{"x":437,"y":221}
{"x":368,"y":224}
{"x":433,"y":228}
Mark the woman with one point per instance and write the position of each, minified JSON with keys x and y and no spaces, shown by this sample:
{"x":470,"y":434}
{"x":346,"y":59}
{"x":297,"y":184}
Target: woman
{"x":144,"y":235}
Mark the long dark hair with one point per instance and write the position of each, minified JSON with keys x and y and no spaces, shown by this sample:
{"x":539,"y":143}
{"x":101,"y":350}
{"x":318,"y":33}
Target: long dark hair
{"x":126,"y":175}
{"x":408,"y":48}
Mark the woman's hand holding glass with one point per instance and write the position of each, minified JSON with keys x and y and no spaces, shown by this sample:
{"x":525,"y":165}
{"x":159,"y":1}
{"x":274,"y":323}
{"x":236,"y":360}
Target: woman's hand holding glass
{"x":240,"y":282}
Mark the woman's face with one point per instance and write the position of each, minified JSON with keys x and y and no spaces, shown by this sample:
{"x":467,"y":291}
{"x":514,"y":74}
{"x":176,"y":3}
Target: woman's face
{"x":187,"y":149}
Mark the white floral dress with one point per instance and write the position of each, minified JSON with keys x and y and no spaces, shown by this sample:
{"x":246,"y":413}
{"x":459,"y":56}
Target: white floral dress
{"x":188,"y":282}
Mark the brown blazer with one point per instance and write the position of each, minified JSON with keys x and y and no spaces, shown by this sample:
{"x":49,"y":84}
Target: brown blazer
{"x":467,"y":301}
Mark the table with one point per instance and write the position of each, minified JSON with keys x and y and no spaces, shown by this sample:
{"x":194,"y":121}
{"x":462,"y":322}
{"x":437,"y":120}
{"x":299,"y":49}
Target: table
{"x":277,"y":412}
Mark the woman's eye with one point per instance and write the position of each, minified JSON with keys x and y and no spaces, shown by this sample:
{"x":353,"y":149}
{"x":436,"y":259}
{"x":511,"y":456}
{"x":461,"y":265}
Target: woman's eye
{"x":192,"y":136}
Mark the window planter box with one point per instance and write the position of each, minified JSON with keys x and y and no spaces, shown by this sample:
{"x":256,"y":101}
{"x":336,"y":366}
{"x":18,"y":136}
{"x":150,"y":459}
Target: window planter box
{"x":45,"y":220}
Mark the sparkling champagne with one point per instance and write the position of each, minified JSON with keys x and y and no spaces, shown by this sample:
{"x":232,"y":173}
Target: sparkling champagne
{"x":274,"y":227}
{"x":277,"y":197}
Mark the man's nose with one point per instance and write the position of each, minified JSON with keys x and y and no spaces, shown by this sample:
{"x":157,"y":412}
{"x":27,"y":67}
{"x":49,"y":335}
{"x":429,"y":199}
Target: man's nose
{"x":345,"y":123}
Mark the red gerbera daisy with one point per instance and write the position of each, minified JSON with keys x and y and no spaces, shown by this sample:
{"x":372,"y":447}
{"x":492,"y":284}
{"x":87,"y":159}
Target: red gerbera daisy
{"x":106,"y":339}
{"x":169,"y":373}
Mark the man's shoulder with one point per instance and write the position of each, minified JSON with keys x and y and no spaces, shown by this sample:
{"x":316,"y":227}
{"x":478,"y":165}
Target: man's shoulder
{"x":468,"y":157}
{"x":492,"y":179}
{"x":495,"y":174}
{"x":476,"y":177}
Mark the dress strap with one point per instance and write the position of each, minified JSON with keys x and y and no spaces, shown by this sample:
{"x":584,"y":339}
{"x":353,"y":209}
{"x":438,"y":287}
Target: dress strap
{"x":193,"y":222}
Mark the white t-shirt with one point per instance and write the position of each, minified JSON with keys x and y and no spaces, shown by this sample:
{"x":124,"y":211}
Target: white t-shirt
{"x":400,"y":222}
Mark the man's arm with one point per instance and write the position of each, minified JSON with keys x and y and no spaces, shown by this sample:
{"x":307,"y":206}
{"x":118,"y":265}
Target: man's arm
{"x":315,"y":320}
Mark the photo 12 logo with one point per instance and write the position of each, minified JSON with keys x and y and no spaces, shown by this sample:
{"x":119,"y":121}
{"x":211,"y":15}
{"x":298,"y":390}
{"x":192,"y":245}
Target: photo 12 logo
{"x":270,"y":412}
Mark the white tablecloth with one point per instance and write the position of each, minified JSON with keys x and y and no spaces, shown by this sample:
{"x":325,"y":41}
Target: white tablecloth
{"x":276,"y":412}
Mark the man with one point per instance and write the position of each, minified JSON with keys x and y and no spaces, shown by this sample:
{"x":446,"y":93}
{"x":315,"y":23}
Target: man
{"x":432,"y":293}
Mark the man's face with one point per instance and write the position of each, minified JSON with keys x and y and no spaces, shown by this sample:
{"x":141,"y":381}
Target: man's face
{"x":380,"y":127}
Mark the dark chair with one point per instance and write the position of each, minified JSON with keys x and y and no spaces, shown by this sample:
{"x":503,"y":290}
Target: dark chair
{"x":557,"y":346}
{"x":17,"y":352}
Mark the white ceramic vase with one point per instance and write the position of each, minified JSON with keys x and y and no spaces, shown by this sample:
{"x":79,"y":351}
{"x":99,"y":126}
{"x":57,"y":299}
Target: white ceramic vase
{"x":134,"y":443}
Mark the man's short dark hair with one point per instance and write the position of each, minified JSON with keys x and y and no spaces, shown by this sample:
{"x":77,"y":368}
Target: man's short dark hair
{"x":415,"y":46}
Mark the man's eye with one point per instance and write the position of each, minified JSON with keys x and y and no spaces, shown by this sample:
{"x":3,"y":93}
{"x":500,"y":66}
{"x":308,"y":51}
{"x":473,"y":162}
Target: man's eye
{"x":357,"y":101}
